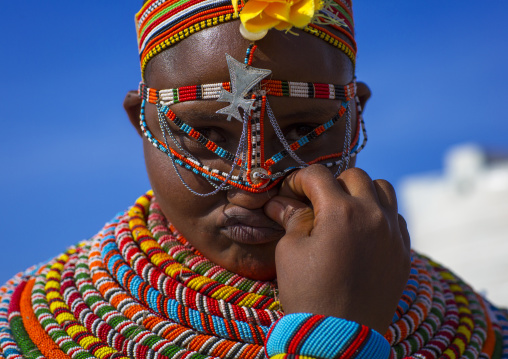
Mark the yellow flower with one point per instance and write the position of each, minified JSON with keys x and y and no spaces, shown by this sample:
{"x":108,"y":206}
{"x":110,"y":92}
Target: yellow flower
{"x":262,"y":15}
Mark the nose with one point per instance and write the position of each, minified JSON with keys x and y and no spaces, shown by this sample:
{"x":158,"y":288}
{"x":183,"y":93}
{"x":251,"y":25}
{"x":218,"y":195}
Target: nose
{"x":250,"y":200}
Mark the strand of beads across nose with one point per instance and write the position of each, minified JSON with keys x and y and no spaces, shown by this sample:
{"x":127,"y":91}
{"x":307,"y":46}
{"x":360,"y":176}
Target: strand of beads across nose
{"x":258,"y":174}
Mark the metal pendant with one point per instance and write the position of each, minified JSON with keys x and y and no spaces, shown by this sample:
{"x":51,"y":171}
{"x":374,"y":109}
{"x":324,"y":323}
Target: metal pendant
{"x":243,"y":79}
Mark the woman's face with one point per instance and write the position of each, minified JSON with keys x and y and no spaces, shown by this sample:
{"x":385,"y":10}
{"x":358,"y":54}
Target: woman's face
{"x":230,"y":227}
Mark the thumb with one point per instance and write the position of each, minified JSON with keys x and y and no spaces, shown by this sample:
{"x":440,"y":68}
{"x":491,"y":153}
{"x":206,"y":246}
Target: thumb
{"x":296,"y":217}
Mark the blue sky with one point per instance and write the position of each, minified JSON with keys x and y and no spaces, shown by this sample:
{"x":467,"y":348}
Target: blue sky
{"x":70,"y":159}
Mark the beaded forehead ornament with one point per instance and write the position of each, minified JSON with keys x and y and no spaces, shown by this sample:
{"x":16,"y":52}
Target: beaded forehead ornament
{"x":161,"y":24}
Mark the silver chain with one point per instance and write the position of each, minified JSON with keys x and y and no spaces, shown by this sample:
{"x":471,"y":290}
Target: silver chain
{"x":281,"y":137}
{"x":223,"y":184}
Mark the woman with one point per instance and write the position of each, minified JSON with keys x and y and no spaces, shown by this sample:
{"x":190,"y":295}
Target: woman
{"x":238,"y":124}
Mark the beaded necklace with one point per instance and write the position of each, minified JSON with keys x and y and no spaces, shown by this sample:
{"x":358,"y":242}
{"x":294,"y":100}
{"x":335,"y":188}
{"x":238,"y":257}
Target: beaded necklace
{"x":138,"y":289}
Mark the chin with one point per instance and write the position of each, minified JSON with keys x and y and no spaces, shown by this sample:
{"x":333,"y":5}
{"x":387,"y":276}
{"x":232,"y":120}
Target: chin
{"x":255,"y":262}
{"x":256,"y":270}
{"x":262,"y":275}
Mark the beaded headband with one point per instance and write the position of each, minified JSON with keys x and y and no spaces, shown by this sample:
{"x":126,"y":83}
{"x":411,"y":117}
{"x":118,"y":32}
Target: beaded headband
{"x":161,"y":24}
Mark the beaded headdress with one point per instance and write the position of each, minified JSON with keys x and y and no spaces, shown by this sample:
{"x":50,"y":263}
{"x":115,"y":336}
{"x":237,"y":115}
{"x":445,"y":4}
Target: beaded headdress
{"x":161,"y":24}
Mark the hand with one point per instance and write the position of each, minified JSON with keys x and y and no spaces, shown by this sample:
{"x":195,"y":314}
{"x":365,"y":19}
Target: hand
{"x":346,"y":251}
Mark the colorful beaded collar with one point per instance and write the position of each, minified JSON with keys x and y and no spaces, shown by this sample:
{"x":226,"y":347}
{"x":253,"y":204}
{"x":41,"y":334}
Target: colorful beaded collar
{"x":249,"y":91}
{"x":138,"y":289}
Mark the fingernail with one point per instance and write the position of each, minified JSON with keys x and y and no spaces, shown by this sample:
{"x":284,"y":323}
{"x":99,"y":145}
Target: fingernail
{"x":274,"y":209}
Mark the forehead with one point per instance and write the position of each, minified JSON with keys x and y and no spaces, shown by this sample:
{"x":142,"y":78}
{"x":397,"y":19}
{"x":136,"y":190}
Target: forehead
{"x":201,"y":59}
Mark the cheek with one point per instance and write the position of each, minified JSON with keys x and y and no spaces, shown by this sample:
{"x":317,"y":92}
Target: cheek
{"x":175,"y":200}
{"x":191,"y":214}
{"x":195,"y":217}
{"x":328,"y":143}
{"x":158,"y":169}
{"x":166,"y":182}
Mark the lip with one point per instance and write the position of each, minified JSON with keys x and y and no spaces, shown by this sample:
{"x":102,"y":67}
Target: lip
{"x":247,"y":226}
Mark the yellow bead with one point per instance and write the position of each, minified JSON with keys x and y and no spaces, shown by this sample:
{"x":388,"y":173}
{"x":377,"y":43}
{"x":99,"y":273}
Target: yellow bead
{"x":52,"y":295}
{"x":64,"y":317}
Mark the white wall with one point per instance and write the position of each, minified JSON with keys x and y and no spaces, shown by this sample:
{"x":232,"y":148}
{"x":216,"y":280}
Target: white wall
{"x":460,"y":218}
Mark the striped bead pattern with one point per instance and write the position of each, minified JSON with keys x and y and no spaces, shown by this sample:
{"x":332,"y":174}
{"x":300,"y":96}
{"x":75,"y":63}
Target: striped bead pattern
{"x":277,"y":88}
{"x":317,"y":336}
{"x":138,"y":289}
{"x":9,"y":347}
{"x":19,"y":333}
{"x":161,"y":24}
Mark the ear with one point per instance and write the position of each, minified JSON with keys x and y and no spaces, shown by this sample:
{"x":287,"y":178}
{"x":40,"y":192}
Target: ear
{"x":363,"y":93}
{"x":132,"y":105}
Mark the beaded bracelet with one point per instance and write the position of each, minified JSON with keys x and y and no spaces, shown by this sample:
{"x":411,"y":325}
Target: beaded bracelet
{"x":318,"y":336}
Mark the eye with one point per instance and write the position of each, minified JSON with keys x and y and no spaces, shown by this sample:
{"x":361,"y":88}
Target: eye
{"x":298,"y":130}
{"x":213,"y":134}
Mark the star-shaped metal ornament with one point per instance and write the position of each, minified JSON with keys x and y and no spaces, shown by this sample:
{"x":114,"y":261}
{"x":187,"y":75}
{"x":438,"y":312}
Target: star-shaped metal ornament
{"x":243,"y":79}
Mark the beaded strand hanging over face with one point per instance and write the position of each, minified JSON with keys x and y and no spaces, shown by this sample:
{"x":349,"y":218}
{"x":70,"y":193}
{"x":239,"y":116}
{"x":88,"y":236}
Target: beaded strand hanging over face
{"x":249,"y":91}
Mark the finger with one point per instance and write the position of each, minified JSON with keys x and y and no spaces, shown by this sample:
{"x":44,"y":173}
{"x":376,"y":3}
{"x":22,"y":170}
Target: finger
{"x":294,"y":216}
{"x":386,"y":194}
{"x":315,"y":183}
{"x":357,"y":183}
{"x":404,"y":232}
